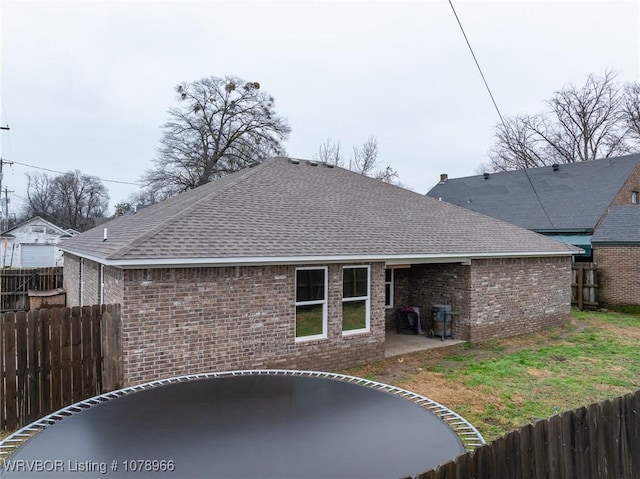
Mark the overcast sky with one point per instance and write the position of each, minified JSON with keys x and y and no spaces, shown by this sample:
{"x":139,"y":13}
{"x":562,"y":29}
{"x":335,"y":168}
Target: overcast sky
{"x":86,"y":85}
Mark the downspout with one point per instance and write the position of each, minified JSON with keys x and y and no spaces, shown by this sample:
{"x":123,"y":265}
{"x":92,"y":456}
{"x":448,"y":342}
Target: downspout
{"x":101,"y":284}
{"x":81,"y":282}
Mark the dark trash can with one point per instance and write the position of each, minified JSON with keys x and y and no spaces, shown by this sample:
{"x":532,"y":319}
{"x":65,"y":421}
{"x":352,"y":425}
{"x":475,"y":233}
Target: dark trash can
{"x":441,"y":321}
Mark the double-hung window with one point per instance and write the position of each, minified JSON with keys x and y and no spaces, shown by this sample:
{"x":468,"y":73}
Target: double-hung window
{"x":311,"y":303}
{"x":355,"y":299}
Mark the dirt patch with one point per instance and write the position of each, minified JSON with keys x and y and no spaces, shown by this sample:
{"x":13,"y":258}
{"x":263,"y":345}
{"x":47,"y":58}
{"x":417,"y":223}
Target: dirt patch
{"x":440,"y":388}
{"x":539,"y":373}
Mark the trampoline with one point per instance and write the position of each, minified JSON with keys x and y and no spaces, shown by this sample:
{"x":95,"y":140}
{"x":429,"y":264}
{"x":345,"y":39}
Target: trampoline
{"x":241,"y":424}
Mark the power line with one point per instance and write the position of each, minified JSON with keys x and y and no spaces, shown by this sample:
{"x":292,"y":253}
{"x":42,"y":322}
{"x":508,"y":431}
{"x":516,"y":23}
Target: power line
{"x":63,"y":173}
{"x":498,"y":109}
{"x":477,"y":64}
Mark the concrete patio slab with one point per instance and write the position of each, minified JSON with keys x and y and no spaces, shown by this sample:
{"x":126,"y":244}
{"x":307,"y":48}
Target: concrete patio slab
{"x":399,"y":344}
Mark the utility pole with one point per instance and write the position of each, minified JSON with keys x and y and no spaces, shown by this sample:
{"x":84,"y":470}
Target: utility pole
{"x":6,"y":208}
{"x":5,"y":223}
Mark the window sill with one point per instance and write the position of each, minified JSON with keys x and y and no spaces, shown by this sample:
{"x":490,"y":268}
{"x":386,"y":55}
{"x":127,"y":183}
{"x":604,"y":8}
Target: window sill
{"x":355,"y":332}
{"x":309,"y":339}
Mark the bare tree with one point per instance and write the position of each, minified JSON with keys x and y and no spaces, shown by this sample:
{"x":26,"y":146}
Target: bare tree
{"x":41,"y":197}
{"x":364,"y":159}
{"x":581,"y":124}
{"x":329,"y":153}
{"x":631,"y":109}
{"x":221,"y":126}
{"x":71,"y":200}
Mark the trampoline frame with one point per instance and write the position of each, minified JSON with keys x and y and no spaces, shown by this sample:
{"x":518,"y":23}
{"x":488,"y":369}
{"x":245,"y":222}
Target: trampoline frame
{"x":466,"y":432}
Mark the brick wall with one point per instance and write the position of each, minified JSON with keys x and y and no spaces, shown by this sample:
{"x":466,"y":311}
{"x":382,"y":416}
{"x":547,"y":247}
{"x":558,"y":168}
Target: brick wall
{"x":71,"y":279}
{"x":181,"y":321}
{"x":90,"y":271}
{"x":496,"y":297}
{"x":517,"y":296}
{"x":442,"y":284}
{"x":85,"y":280}
{"x":618,"y":274}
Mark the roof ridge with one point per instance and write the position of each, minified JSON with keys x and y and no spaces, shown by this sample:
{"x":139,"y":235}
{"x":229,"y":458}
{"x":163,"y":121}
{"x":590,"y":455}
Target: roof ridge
{"x":248,"y":172}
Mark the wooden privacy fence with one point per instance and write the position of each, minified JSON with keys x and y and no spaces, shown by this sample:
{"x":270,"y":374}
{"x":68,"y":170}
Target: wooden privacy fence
{"x":601,"y":441}
{"x":584,"y":285}
{"x":51,"y":358}
{"x":15,"y":283}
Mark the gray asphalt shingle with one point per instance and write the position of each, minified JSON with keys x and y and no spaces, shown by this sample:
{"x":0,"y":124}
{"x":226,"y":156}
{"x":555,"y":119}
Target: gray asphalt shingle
{"x":280,"y":209}
{"x":575,"y":196}
{"x":620,"y":226}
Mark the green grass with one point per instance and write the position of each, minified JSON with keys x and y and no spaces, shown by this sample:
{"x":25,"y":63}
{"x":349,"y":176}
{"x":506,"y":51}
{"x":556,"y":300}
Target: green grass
{"x":538,"y":381}
{"x":502,"y":385}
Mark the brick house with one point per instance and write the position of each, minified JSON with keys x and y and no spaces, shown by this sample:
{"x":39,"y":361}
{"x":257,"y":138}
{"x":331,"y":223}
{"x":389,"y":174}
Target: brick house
{"x":296,"y":264}
{"x":566,"y":202}
{"x":616,"y":251}
{"x":33,"y":244}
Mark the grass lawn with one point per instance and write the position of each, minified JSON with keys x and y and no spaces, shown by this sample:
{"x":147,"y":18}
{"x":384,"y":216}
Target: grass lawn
{"x":501,"y":385}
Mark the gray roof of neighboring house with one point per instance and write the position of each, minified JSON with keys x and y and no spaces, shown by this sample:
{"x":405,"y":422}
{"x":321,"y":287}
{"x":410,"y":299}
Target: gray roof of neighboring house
{"x":620,"y":226}
{"x":281,"y":210}
{"x":575,"y":196}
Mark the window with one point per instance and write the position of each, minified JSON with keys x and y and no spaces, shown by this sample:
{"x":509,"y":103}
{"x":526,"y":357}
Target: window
{"x":355,"y":299}
{"x":635,"y":197}
{"x":388,"y":288}
{"x":37,"y":229}
{"x":311,"y":303}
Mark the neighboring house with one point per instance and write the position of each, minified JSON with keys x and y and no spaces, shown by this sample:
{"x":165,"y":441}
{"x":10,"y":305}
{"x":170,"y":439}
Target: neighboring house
{"x":616,"y":251}
{"x":297,"y":264}
{"x":566,"y":202}
{"x":33,"y":244}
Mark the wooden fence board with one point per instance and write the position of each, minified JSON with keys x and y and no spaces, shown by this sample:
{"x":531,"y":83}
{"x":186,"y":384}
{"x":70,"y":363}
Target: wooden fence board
{"x":51,"y":358}
{"x":33,"y":393}
{"x":15,"y":283}
{"x":3,"y":414}
{"x":9,"y":325}
{"x":96,"y":347}
{"x":76,"y":347}
{"x":66,"y":355}
{"x":45,"y":360}
{"x":56,"y":359}
{"x":21,"y":363}
{"x":85,"y":363}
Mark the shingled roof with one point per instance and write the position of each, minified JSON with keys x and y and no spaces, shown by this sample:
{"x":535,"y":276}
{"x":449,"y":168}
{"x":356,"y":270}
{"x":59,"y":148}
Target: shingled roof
{"x":575,"y":196}
{"x":287,"y":210}
{"x":620,"y":226}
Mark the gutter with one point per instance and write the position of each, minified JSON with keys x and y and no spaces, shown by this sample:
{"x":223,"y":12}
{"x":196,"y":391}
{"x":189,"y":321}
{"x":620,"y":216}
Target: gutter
{"x":284,"y":260}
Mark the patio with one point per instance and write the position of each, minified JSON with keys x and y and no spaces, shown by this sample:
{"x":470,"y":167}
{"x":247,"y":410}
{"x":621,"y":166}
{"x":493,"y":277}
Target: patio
{"x":399,"y":344}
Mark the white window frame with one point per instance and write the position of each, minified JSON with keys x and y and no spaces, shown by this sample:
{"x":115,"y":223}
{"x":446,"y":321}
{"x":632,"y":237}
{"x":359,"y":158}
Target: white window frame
{"x":635,"y":197}
{"x":366,"y":299}
{"x":323,"y":302}
{"x":391,"y":284}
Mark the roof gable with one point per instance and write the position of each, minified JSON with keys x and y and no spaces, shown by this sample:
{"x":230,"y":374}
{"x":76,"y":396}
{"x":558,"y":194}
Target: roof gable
{"x":620,"y":226}
{"x":286,"y":208}
{"x":36,"y":221}
{"x":571,"y":198}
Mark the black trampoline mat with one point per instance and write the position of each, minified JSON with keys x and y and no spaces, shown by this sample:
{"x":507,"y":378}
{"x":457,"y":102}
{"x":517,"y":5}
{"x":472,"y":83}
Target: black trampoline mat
{"x":249,"y":426}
